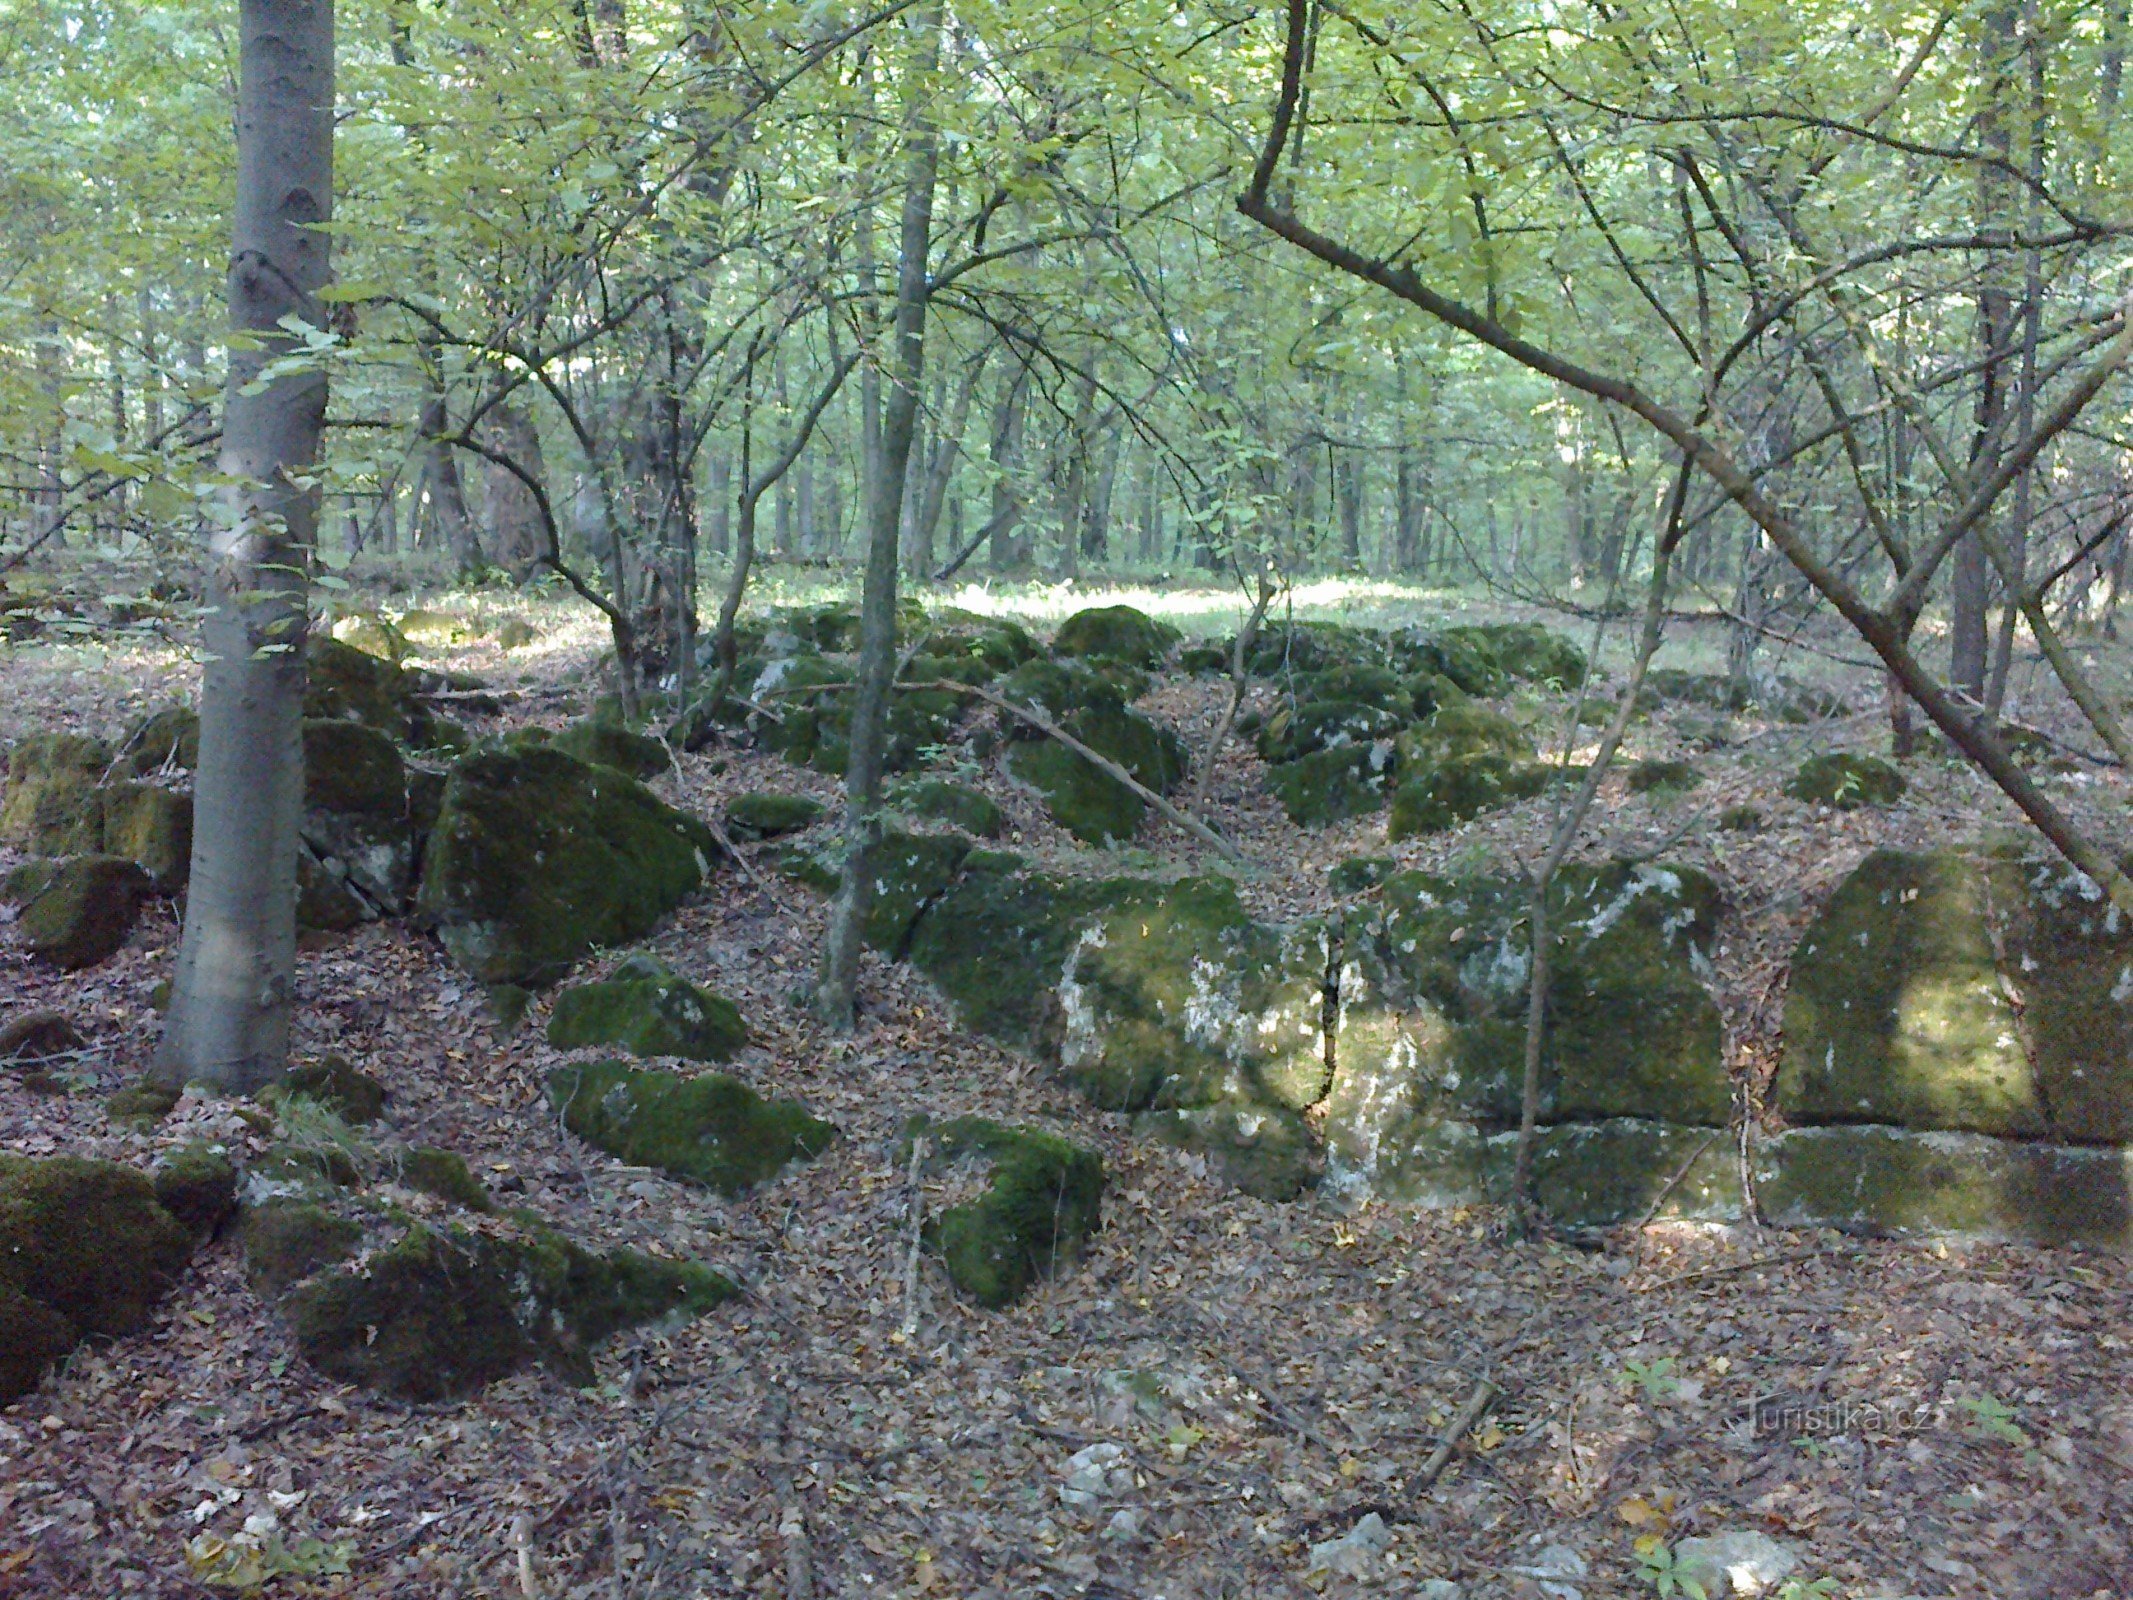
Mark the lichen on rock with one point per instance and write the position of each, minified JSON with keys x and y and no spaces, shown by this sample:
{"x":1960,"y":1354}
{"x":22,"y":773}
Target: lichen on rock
{"x":50,"y":805}
{"x":710,"y":1129}
{"x":83,"y":910}
{"x":1115,"y":633}
{"x":1043,"y":1201}
{"x":649,"y":1011}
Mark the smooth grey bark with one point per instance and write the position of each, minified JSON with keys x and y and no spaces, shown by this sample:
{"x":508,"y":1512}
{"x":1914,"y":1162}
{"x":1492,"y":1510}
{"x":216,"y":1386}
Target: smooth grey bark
{"x":516,"y":534}
{"x":836,"y":994}
{"x":233,"y":990}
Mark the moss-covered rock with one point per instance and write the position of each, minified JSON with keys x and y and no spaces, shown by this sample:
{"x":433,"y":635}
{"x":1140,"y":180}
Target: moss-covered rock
{"x":32,"y":1038}
{"x":50,"y":806}
{"x":342,"y":683}
{"x":1529,"y":651}
{"x":143,"y":1103}
{"x":197,"y":1184}
{"x":165,"y":740}
{"x":1085,"y":800}
{"x":1465,"y":656}
{"x":1359,"y":874}
{"x":1334,"y":784}
{"x":1897,"y":1013}
{"x":152,"y":827}
{"x":88,"y":1242}
{"x":355,"y":818}
{"x":537,"y":858}
{"x":33,"y":1339}
{"x":1741,"y":819}
{"x":1847,"y":781}
{"x":336,"y":1083}
{"x":713,"y":1130}
{"x":961,"y":807}
{"x":1447,"y":793}
{"x":83,"y":912}
{"x":1292,"y":730}
{"x":1282,"y":650}
{"x":445,"y":1175}
{"x":440,"y":1312}
{"x":1188,"y":1001}
{"x":976,"y":648}
{"x":515,"y":633}
{"x":1662,"y":778}
{"x":433,"y":630}
{"x":1602,"y":1174}
{"x":1058,"y":689}
{"x":609,"y":744}
{"x":373,"y":635}
{"x":1266,"y":1151}
{"x":1463,"y":729}
{"x":1876,"y":1179}
{"x":1044,"y":1200}
{"x":1115,"y":633}
{"x":2070,"y":955}
{"x":769,"y":816}
{"x":649,"y":1011}
{"x":287,"y":1240}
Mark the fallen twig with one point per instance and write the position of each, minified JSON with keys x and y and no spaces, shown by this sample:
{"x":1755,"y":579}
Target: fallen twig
{"x":1793,"y":1259}
{"x":1673,"y":1183}
{"x":1485,"y":1394}
{"x":918,"y":1227}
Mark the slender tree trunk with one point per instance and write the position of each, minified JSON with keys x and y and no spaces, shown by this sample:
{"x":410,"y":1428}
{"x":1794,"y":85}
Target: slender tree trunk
{"x":718,"y":503}
{"x":234,"y":987}
{"x":516,"y":533}
{"x":838,"y":991}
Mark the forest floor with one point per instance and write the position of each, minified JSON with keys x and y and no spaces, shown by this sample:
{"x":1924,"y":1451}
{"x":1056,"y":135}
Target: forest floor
{"x":1969,"y":1421}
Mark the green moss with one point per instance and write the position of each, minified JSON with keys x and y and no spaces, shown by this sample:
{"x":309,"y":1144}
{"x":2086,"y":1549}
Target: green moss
{"x":766,"y":816}
{"x":1332,"y":785}
{"x":1060,"y":688}
{"x":1896,"y":1012}
{"x":351,"y":768}
{"x":344,"y":684}
{"x":1528,"y":650}
{"x":1280,"y":650}
{"x":88,"y":1240}
{"x":33,"y":1339}
{"x":538,"y":858}
{"x":336,"y":1083}
{"x":1044,"y":1201}
{"x":648,"y":1011}
{"x":910,"y":872}
{"x":1465,"y":656}
{"x":145,"y":1102}
{"x":1292,"y":729}
{"x":1661,"y":777}
{"x":1359,"y":874}
{"x":938,"y":800}
{"x":1601,"y":1174}
{"x":1115,"y":633}
{"x":1883,"y":1179}
{"x":1464,"y":729}
{"x":445,"y":1175}
{"x":30,"y":1038}
{"x":607,"y":744}
{"x":713,"y":1130}
{"x":152,"y":827}
{"x":82,"y":915}
{"x":2071,"y":958}
{"x":1266,"y":1151}
{"x":50,"y":806}
{"x":1847,"y":781}
{"x":441,"y":1312}
{"x":515,"y":633}
{"x":164,"y":740}
{"x":434,"y":630}
{"x":197,"y":1184}
{"x":286,"y":1241}
{"x":1089,"y":803}
{"x":1741,"y":819}
{"x":1452,"y":791}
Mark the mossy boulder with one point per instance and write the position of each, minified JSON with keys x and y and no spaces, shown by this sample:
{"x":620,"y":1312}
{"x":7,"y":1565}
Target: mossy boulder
{"x":1305,"y":647}
{"x":609,"y":744}
{"x":1294,"y":730}
{"x":1043,"y":1201}
{"x":1529,"y":651}
{"x":961,"y":807}
{"x":32,"y":1038}
{"x":1661,"y":778}
{"x":152,"y":827}
{"x":1847,"y":781}
{"x":373,"y":635}
{"x":1116,"y":633}
{"x":538,"y":858}
{"x":1358,"y":683}
{"x":1447,"y":793}
{"x":1359,"y":874}
{"x":1877,"y":1179}
{"x":1265,"y":1150}
{"x":342,"y":683}
{"x":713,"y":1130}
{"x":1332,"y":785}
{"x":1084,"y":799}
{"x":432,"y":629}
{"x":515,"y":633}
{"x":85,"y":1249}
{"x":165,"y":740}
{"x":50,"y":806}
{"x":197,"y":1184}
{"x":1465,"y":656}
{"x":143,"y":1103}
{"x":1465,"y":729}
{"x":1188,"y":1002}
{"x":908,"y":872}
{"x":444,"y":1175}
{"x":815,"y":717}
{"x":355,"y":818}
{"x":769,"y":816}
{"x":337,"y":1084}
{"x":287,"y":1240}
{"x":440,"y":1312}
{"x":86,"y":907}
{"x":975,"y":648}
{"x":1897,"y":1013}
{"x":1058,"y":689}
{"x":1603,"y":1174}
{"x":2070,"y":952}
{"x":648,"y":1011}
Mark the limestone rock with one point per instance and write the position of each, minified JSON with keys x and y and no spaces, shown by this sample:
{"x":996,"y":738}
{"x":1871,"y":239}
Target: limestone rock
{"x":648,"y":1011}
{"x":1446,"y":793}
{"x":537,"y":858}
{"x":355,"y":816}
{"x":1332,"y":785}
{"x":609,"y":744}
{"x":1741,"y":1561}
{"x":1087,"y":801}
{"x":1847,"y":781}
{"x":1115,"y":633}
{"x":197,"y":1184}
{"x":50,"y":806}
{"x":1303,"y":727}
{"x":768,"y":816}
{"x":1265,"y":1150}
{"x":1043,"y":1201}
{"x":938,"y":800}
{"x":343,"y":684}
{"x":30,"y":1038}
{"x":287,"y":1240}
{"x":81,"y":914}
{"x":713,"y":1129}
{"x":152,"y":827}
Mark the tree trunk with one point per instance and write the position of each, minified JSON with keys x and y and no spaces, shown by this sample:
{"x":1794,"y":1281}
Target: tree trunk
{"x":234,"y":986}
{"x":516,"y":533}
{"x":1005,"y":556}
{"x":838,"y":991}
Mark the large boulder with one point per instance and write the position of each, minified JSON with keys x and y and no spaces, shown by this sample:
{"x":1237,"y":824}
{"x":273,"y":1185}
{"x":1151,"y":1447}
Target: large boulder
{"x":1116,"y":633}
{"x":1043,"y":1200}
{"x":1333,"y":784}
{"x":648,"y":1011}
{"x":1267,"y":1151}
{"x":85,"y":1249}
{"x":609,"y":744}
{"x":1084,"y":799}
{"x":355,"y":817}
{"x":909,"y":871}
{"x":814,"y":716}
{"x":939,"y":800}
{"x":1847,"y":781}
{"x":81,"y":910}
{"x":769,"y":816}
{"x":712,"y":1129}
{"x":342,"y":683}
{"x":163,"y":741}
{"x":50,"y":806}
{"x":537,"y":858}
{"x":152,"y":827}
{"x":1443,"y":794}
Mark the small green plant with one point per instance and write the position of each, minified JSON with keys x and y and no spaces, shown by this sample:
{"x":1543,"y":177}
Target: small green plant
{"x":1656,"y":1377}
{"x":1991,"y":1418}
{"x":1657,"y":1567}
{"x":1795,"y":1589}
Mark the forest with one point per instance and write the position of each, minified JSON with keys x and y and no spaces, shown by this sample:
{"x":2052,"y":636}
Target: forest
{"x":1178,"y":800}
